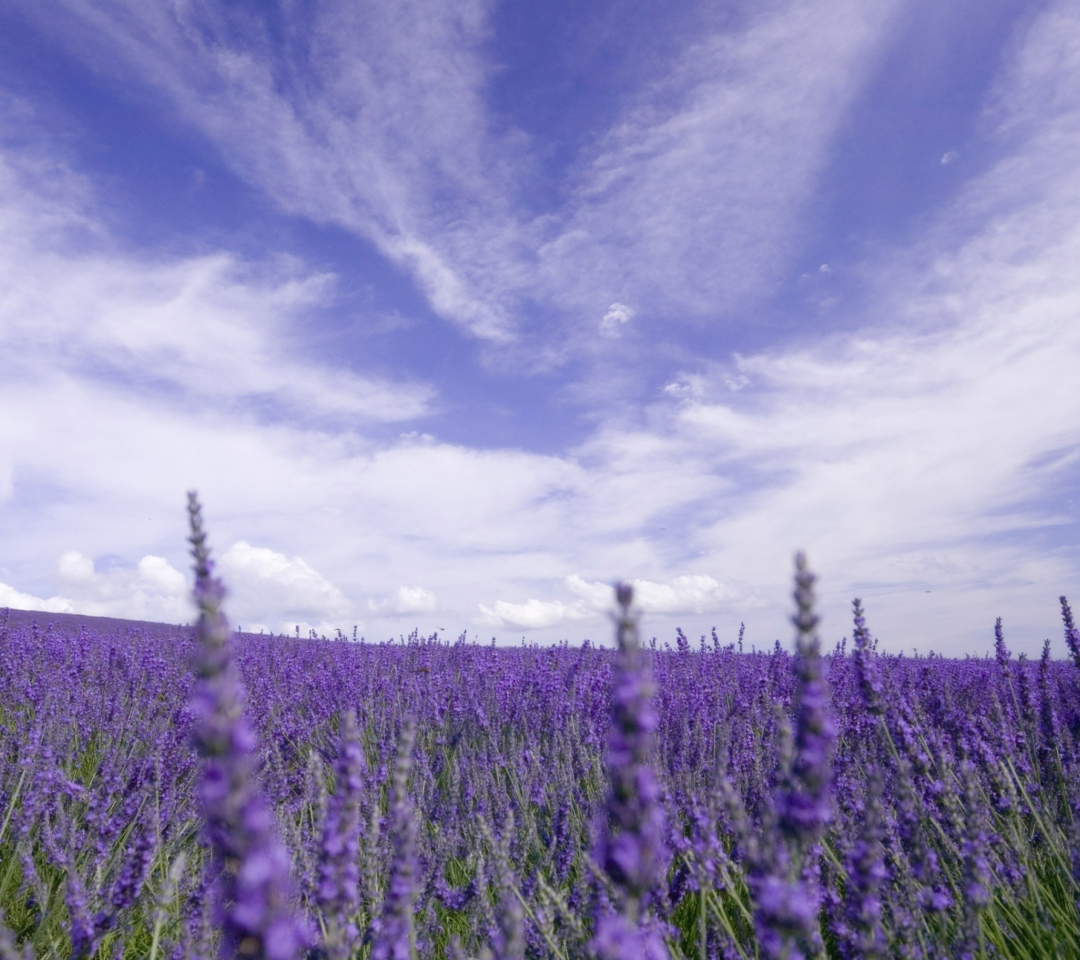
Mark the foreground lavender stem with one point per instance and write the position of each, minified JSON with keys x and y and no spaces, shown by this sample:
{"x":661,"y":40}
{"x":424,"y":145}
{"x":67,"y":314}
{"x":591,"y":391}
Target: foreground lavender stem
{"x":338,"y":892}
{"x":864,"y":938}
{"x":631,"y":847}
{"x":395,"y":939}
{"x":786,"y":897}
{"x":251,"y":869}
{"x":804,"y":805}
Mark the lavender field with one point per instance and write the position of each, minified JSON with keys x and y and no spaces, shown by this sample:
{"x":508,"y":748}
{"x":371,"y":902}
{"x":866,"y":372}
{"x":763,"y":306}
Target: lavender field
{"x":201,"y":794}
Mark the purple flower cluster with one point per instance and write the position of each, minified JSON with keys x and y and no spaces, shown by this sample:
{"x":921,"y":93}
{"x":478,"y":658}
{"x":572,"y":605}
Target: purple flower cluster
{"x":877,"y":805}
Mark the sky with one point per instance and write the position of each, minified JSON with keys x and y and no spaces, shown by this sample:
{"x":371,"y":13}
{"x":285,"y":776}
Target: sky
{"x":455,"y":313}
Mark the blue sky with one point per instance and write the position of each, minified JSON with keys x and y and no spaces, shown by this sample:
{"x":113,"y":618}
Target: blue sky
{"x":455,"y":312}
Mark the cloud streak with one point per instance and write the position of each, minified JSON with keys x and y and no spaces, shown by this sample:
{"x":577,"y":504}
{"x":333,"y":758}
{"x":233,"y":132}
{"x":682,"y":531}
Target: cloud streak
{"x":375,"y":118}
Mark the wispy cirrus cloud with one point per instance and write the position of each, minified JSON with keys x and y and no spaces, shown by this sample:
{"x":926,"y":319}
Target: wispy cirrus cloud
{"x":689,"y":203}
{"x":922,"y":454}
{"x":210,"y":328}
{"x":375,"y":118}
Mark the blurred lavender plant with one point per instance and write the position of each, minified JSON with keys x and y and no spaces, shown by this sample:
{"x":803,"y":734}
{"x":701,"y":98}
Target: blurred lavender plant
{"x":338,"y":891}
{"x":9,"y":949}
{"x":393,"y":935}
{"x":251,"y":869}
{"x":862,"y":936}
{"x":782,"y":876}
{"x":804,"y":805}
{"x":631,"y":847}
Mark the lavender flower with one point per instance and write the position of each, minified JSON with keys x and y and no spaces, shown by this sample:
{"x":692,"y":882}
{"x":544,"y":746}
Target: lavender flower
{"x":631,"y":846}
{"x":866,"y":871}
{"x":977,"y":879}
{"x":251,"y":868}
{"x":1049,"y":727}
{"x":509,"y":937}
{"x":866,"y":668}
{"x":394,"y":937}
{"x":1001,"y":652}
{"x":134,"y":872}
{"x":804,"y":805}
{"x":338,"y":891}
{"x":782,"y":875}
{"x":1072,"y":635}
{"x":86,"y":927}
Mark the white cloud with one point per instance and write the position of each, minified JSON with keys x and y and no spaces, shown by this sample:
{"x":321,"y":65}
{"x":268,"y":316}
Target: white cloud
{"x":10,"y":597}
{"x":213,"y":328}
{"x":949,"y":157}
{"x":688,"y":202}
{"x":405,"y":600}
{"x":262,"y":579}
{"x":686,"y":594}
{"x":74,"y":567}
{"x":617,"y":316}
{"x":153,"y":591}
{"x":929,"y":451}
{"x":386,"y":119}
{"x":530,"y":615}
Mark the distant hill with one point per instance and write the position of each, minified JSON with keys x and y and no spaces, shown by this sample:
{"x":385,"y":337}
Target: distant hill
{"x":73,"y":623}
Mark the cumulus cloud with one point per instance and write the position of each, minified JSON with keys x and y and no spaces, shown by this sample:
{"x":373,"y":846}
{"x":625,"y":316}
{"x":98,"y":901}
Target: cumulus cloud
{"x":10,"y":597}
{"x":405,"y":600}
{"x":154,"y":590}
{"x":617,"y":316}
{"x":74,"y":567}
{"x":530,"y":615}
{"x":262,"y":579}
{"x":688,"y":594}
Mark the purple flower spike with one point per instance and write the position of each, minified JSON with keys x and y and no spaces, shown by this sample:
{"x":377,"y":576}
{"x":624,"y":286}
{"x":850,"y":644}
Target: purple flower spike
{"x":338,"y":892}
{"x":394,"y":937}
{"x":1001,"y":652}
{"x":866,"y":872}
{"x":786,"y":895}
{"x":251,"y":869}
{"x":1072,"y":635}
{"x":866,"y":668}
{"x":804,"y":807}
{"x":631,"y":847}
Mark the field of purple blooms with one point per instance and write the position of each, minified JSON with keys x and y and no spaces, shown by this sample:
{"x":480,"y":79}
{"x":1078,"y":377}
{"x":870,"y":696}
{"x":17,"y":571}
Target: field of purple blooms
{"x":199,"y":795}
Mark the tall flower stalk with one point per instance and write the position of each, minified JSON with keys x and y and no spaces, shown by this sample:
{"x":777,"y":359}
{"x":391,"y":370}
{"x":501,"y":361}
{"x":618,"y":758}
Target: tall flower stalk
{"x":338,"y":891}
{"x":782,"y":879}
{"x":254,"y":909}
{"x":631,"y":848}
{"x":395,"y":937}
